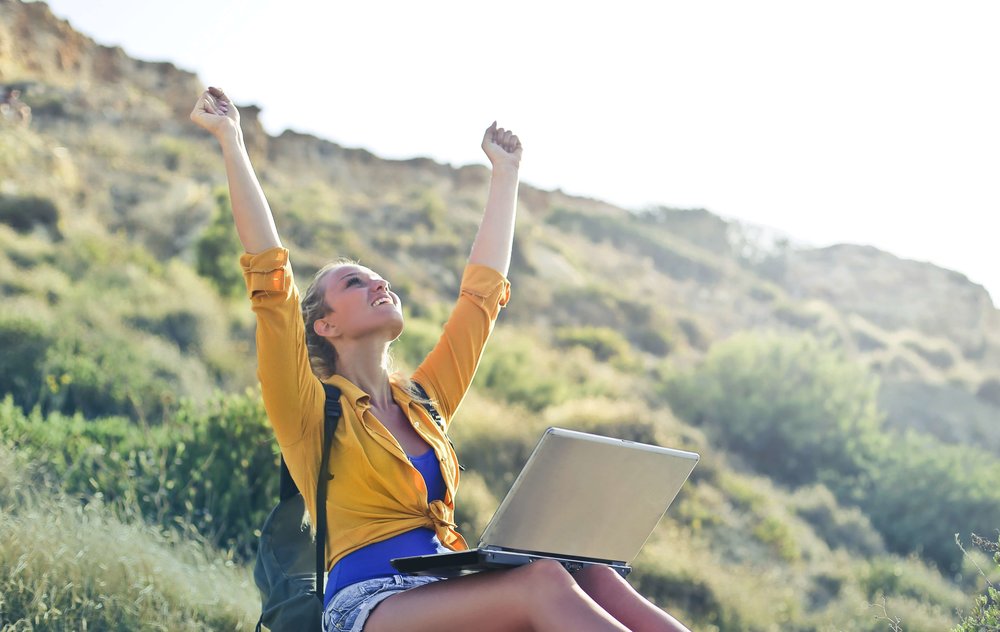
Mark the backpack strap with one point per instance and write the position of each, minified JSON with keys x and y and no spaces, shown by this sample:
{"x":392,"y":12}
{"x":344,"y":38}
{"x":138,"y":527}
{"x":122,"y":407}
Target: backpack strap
{"x":436,"y":416}
{"x":286,"y":486}
{"x":332,"y":413}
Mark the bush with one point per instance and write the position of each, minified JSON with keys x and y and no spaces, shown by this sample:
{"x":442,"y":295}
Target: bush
{"x":796,"y":408}
{"x":109,"y":373}
{"x":939,"y":358}
{"x":605,"y":343}
{"x":839,"y":527}
{"x":889,"y":575}
{"x":519,"y":372}
{"x":923,"y":492}
{"x":418,"y":338}
{"x":215,"y":469}
{"x":798,"y":315}
{"x":25,"y":213}
{"x":218,"y":249}
{"x":646,"y":326}
{"x":25,"y":343}
{"x":180,"y":326}
{"x":989,"y":391}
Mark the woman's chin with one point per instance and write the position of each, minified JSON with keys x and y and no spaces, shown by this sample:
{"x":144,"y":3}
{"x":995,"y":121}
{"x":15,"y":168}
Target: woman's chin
{"x":397,"y":331}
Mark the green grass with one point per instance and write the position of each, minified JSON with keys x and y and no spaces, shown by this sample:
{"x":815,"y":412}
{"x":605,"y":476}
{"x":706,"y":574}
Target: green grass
{"x":71,"y":566}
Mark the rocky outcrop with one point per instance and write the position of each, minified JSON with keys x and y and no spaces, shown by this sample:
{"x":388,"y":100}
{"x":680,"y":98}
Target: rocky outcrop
{"x":896,"y":293}
{"x":36,"y":45}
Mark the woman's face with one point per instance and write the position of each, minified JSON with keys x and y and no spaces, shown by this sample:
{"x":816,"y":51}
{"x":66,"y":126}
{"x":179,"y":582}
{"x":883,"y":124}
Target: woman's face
{"x":361,"y":304}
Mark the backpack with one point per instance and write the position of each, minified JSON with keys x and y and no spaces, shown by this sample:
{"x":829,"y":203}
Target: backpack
{"x":290,"y":565}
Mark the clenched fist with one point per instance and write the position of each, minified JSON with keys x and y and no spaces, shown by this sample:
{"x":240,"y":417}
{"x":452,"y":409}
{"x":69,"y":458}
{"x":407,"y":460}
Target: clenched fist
{"x":502,"y":147}
{"x":216,"y":113}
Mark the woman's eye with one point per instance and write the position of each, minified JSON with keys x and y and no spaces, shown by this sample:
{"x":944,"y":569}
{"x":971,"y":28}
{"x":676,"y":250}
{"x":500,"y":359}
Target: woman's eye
{"x":353,"y":281}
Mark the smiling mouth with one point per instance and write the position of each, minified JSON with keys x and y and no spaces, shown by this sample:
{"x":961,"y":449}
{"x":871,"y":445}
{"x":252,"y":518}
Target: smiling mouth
{"x":381,"y":301}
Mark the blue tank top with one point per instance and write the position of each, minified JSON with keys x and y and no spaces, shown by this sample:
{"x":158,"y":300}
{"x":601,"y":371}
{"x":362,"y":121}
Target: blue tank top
{"x":372,"y":561}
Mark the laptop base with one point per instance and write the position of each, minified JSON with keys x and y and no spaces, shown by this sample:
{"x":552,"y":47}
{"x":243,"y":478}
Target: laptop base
{"x":460,"y":563}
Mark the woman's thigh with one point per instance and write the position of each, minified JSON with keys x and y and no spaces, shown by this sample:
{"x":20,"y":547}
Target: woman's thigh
{"x":484,"y":601}
{"x":537,"y":596}
{"x":351,"y":606}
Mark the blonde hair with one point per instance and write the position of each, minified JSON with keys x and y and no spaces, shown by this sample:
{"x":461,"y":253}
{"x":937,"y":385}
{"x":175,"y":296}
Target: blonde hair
{"x":322,"y":354}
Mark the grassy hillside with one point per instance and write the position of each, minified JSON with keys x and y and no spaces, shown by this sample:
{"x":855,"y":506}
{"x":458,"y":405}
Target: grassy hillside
{"x":842,"y":446}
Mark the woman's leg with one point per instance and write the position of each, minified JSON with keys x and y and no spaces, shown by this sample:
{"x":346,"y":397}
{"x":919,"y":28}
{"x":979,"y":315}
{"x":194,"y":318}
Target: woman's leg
{"x":615,"y":595}
{"x":540,"y":596}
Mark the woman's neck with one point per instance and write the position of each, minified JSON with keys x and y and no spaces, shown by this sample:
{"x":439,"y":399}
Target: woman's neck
{"x":365,"y":366}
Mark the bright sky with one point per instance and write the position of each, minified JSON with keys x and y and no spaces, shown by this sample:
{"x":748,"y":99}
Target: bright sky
{"x":872,"y":122}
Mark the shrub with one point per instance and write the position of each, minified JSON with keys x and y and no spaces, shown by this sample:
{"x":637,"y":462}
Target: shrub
{"x":839,"y":527}
{"x":519,"y":372}
{"x":989,"y":391}
{"x":776,"y":534}
{"x":180,"y":326}
{"x":605,"y":343}
{"x":940,"y":358}
{"x":798,"y":315}
{"x":24,"y":342}
{"x":922,"y":493}
{"x":215,"y":469}
{"x":646,"y":326}
{"x":25,"y":213}
{"x":101,"y":373}
{"x":695,"y":332}
{"x":218,"y":249}
{"x":474,"y":506}
{"x":795,"y":407}
{"x":417,"y":340}
{"x":910,"y":577}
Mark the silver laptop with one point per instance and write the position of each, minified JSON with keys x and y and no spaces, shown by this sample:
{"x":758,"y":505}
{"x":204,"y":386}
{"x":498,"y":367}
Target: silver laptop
{"x":581,"y":499}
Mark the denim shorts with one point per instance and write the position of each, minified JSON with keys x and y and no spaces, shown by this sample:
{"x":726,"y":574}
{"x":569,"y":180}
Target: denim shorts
{"x":351,"y":606}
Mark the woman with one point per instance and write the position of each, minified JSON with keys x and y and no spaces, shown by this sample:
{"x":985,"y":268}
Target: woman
{"x":340,"y":332}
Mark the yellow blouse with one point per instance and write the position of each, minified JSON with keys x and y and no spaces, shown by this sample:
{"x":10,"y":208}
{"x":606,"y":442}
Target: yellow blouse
{"x":375,"y":492}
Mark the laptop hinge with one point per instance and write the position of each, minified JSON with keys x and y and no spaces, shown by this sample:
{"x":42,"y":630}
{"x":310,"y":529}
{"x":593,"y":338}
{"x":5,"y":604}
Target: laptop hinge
{"x":581,"y":558}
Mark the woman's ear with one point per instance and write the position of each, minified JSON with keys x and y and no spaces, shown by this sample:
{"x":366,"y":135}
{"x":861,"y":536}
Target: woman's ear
{"x":325,"y":329}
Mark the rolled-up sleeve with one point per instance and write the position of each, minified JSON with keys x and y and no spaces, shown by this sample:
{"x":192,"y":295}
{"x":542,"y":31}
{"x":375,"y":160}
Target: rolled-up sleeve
{"x":449,"y":368}
{"x":267,"y":272}
{"x":292,"y":394}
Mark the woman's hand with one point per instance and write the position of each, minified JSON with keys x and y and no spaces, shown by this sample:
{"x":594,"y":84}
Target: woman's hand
{"x":216,"y":113}
{"x":502,"y":147}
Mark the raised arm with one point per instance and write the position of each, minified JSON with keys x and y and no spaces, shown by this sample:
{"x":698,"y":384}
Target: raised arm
{"x":448,"y":369}
{"x":254,"y":222}
{"x":496,"y":232}
{"x":293,"y":396}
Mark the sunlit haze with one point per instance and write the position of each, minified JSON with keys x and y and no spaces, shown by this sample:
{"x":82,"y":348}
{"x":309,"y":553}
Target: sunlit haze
{"x":864,"y":122}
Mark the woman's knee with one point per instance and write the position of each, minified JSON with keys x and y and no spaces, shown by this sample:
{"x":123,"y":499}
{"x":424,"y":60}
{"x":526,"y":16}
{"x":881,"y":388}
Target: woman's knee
{"x":543,"y":577}
{"x":599,"y":574}
{"x":599,"y":580}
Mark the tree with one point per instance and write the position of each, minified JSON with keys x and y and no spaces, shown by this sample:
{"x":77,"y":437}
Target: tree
{"x":218,"y":250}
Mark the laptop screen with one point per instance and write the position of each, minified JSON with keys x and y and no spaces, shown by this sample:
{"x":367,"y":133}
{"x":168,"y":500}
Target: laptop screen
{"x":588,"y":496}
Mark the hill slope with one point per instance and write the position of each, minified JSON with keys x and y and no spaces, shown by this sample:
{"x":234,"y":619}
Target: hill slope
{"x":120,"y":303}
